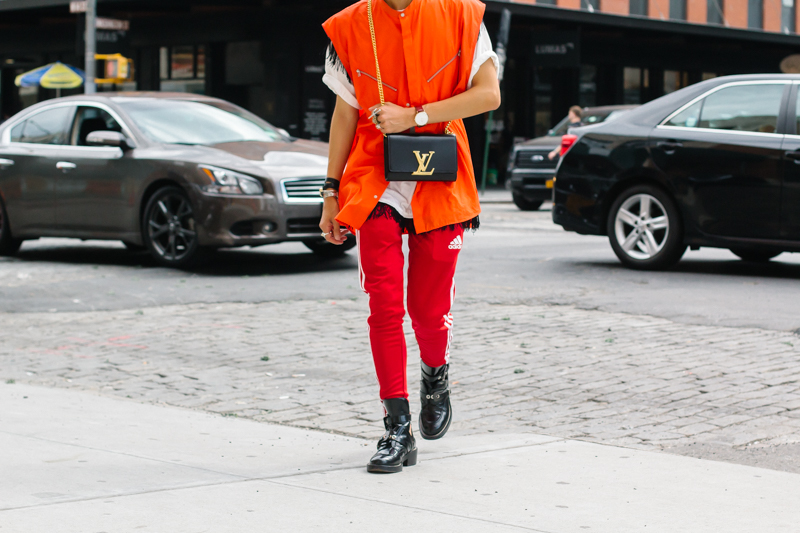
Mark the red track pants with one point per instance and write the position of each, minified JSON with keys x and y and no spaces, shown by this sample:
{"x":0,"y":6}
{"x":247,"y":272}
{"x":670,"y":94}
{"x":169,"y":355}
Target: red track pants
{"x":431,"y":289}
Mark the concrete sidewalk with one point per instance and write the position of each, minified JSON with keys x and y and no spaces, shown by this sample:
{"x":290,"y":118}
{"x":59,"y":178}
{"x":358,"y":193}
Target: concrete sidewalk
{"x":79,"y":462}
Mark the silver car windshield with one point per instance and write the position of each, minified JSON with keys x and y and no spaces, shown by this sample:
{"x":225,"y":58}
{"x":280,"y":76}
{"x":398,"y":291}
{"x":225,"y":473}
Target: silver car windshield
{"x":191,"y":122}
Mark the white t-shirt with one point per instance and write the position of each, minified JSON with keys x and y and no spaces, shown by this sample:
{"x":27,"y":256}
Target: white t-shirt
{"x":398,"y":194}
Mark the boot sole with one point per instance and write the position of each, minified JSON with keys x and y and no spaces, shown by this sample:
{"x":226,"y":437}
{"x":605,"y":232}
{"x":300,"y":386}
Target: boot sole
{"x":410,"y":460}
{"x":441,"y":433}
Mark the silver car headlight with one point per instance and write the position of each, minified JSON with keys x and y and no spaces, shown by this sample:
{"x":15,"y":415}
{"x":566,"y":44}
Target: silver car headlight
{"x":226,"y":181}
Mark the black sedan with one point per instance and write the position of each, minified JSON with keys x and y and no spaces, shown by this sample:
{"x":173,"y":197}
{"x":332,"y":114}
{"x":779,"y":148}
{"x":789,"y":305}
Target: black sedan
{"x":177,"y":174}
{"x":716,"y":164}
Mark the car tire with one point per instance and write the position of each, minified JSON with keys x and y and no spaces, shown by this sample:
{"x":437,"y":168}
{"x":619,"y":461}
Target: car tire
{"x":755,"y":255}
{"x":169,"y":230}
{"x":8,"y":244}
{"x":323,"y":248}
{"x":526,"y":205}
{"x":645,"y":229}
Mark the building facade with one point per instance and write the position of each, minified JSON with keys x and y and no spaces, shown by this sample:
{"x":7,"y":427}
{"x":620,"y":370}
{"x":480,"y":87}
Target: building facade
{"x":268,"y":55}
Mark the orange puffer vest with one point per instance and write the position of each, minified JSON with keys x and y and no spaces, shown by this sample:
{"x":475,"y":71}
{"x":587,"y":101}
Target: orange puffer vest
{"x":426,"y":54}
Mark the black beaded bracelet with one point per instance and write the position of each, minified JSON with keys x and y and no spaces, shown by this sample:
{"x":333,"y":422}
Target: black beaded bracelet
{"x":331,"y":183}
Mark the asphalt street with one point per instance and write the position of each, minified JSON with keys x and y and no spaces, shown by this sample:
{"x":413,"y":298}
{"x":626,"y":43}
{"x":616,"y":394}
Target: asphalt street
{"x":553,"y":337}
{"x":516,"y":257}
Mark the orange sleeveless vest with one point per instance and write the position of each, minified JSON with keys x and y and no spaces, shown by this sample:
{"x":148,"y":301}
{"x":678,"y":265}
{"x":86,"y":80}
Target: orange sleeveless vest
{"x":425,"y":55}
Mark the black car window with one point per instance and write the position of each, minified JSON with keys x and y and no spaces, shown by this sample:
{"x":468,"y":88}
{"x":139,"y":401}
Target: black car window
{"x":688,"y":118}
{"x":90,"y":119}
{"x":743,"y":108}
{"x":48,"y":127}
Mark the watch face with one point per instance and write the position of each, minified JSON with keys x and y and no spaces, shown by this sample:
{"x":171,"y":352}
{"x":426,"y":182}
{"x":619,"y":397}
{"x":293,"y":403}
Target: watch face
{"x":421,"y":119}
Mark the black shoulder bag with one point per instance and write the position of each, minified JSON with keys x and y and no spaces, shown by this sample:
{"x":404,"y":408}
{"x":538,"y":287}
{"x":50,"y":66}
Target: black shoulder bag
{"x":415,"y":157}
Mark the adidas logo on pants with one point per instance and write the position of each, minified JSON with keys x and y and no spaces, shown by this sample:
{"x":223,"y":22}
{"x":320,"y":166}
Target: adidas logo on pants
{"x":456,"y":243}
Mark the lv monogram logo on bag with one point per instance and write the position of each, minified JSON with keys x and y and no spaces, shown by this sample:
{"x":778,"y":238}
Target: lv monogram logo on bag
{"x":424,"y":160}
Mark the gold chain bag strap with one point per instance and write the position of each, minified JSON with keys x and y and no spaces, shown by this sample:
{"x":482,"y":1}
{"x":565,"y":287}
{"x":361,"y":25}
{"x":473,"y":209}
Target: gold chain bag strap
{"x":414,"y":156}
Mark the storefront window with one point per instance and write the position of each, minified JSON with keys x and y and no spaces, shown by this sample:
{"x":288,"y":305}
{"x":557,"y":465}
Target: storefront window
{"x":677,"y":9}
{"x":787,"y":16}
{"x":638,"y":7}
{"x":674,"y":80}
{"x":28,"y":96}
{"x":632,"y":85}
{"x":590,"y":5}
{"x":587,"y":94}
{"x":183,"y":69}
{"x":714,"y":12}
{"x":182,"y":63}
{"x":543,"y":88}
{"x":755,"y":14}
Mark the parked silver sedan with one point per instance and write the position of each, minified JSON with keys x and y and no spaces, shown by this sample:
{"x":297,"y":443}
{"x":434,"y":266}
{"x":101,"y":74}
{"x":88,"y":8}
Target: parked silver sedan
{"x":178,"y":174}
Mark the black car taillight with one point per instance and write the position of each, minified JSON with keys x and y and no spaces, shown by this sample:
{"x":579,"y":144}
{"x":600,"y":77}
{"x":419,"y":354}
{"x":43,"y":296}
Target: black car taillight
{"x":567,"y":141}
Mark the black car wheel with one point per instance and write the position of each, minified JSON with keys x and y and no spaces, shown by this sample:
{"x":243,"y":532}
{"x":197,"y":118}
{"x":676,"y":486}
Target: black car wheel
{"x":755,"y":255}
{"x":8,"y":244}
{"x":323,"y":248}
{"x":169,"y":229}
{"x":644,"y":229}
{"x":526,"y":205}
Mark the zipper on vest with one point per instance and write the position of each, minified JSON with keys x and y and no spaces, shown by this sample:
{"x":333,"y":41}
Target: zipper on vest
{"x":362,"y":73}
{"x":445,"y":66}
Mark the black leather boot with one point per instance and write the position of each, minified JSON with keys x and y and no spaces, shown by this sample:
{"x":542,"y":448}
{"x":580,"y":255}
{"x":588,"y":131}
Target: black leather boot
{"x":397,"y":448}
{"x":434,"y":394}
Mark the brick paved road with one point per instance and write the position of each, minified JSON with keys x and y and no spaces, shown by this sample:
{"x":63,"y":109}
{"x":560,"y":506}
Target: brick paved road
{"x":606,"y":377}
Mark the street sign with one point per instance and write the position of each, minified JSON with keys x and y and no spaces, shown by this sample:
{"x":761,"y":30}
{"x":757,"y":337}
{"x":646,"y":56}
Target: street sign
{"x":78,"y":7}
{"x":112,"y":35}
{"x":112,"y":24}
{"x":556,"y":49}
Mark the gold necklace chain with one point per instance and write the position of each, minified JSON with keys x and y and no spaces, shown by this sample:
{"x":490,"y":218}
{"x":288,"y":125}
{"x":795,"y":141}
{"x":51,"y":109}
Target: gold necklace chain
{"x":377,"y":64}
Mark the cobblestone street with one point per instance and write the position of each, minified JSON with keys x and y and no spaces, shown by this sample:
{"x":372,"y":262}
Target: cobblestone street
{"x":556,"y":370}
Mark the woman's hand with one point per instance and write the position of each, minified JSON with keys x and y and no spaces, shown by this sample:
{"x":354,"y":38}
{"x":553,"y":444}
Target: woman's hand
{"x":391,"y":118}
{"x":334,"y":233}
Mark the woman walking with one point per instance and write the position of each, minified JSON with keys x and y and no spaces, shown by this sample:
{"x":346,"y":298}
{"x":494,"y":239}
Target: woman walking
{"x":398,"y":66}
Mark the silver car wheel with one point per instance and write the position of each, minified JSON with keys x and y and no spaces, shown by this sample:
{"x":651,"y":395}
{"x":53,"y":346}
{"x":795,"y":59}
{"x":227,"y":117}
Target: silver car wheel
{"x":641,"y":226}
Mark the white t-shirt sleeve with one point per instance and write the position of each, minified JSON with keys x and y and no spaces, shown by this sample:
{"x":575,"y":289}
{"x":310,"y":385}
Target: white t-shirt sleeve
{"x":483,"y":53}
{"x":337,"y":80}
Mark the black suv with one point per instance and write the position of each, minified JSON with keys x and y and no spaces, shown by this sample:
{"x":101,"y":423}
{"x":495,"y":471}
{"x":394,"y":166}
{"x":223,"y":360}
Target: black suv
{"x":529,"y":168}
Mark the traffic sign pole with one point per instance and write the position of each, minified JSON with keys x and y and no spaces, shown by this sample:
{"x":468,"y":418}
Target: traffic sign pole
{"x":91,"y":46}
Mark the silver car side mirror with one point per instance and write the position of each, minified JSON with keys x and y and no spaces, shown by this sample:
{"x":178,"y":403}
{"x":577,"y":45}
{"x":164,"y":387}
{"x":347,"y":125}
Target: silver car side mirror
{"x":108,"y":138}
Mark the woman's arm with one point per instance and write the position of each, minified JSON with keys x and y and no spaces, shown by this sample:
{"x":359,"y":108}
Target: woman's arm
{"x":483,"y":96}
{"x":343,"y":131}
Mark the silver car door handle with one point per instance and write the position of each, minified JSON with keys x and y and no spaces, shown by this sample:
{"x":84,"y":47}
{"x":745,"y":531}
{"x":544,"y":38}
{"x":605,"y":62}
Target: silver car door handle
{"x":66,"y":166}
{"x":6,"y":163}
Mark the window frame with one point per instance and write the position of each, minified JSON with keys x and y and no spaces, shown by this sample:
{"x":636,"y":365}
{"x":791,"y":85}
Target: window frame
{"x":780,"y":125}
{"x":27,"y":117}
{"x":6,"y":138}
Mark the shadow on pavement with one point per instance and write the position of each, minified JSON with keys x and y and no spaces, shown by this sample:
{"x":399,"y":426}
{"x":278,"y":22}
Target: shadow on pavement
{"x":771,"y":269}
{"x":236,"y":262}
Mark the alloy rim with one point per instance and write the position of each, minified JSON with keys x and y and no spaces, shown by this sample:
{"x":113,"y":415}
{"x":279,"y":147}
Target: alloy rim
{"x":641,"y":226}
{"x":171,"y":227}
